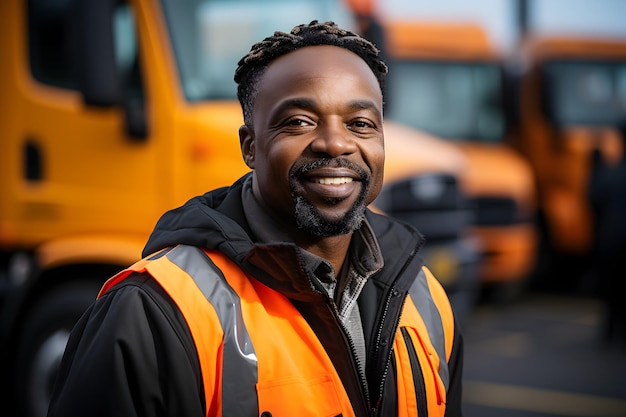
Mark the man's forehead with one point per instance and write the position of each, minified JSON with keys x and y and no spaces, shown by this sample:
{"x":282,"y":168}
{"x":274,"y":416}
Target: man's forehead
{"x":322,"y":56}
{"x":320,"y":60}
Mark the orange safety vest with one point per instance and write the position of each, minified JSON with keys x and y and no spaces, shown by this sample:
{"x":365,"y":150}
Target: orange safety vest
{"x":258,"y":356}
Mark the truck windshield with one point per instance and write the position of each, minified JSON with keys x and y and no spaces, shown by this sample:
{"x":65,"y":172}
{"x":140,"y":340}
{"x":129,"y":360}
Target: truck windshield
{"x":456,"y":101}
{"x":210,"y":36}
{"x":585,"y":92}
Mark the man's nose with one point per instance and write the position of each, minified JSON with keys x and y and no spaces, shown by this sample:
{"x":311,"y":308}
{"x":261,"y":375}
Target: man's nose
{"x":334,"y":140}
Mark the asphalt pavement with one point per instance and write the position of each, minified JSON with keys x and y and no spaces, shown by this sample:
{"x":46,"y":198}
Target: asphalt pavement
{"x":542,"y":356}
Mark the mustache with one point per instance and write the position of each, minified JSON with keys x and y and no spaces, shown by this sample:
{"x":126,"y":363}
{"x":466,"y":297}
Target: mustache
{"x":301,"y":169}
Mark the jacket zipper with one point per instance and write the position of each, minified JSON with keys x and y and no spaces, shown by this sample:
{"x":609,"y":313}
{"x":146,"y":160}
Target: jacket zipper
{"x":392,"y":293}
{"x":356,"y":360}
{"x":359,"y":366}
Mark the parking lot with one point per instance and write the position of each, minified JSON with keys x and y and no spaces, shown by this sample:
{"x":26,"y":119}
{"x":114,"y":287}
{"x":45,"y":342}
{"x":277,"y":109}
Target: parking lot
{"x":542,"y":356}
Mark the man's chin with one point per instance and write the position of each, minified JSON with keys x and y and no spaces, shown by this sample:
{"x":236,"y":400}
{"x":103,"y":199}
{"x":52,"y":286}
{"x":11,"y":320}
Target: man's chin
{"x":317,"y":223}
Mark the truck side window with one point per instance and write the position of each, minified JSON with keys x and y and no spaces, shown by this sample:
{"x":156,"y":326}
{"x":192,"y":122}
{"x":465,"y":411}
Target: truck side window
{"x":126,"y":50}
{"x":50,"y":52}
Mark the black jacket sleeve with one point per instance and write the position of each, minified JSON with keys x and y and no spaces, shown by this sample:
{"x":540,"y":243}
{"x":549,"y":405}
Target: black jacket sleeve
{"x":131,"y":354}
{"x":454,"y":395}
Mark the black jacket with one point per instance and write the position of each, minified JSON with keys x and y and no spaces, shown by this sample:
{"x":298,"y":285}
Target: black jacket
{"x":162,"y":370}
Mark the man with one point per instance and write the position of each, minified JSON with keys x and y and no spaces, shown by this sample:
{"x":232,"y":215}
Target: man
{"x":281,"y":295}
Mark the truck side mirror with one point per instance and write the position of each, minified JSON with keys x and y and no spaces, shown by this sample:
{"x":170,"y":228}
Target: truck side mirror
{"x":135,"y":119}
{"x":511,"y":91}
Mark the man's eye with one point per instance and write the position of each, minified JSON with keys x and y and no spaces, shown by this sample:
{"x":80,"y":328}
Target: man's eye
{"x":296,"y":122}
{"x":361,"y":124}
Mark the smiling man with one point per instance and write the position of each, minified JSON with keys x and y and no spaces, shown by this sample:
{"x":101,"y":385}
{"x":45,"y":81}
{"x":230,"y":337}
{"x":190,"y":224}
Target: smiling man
{"x":281,"y":295}
{"x":318,"y":160}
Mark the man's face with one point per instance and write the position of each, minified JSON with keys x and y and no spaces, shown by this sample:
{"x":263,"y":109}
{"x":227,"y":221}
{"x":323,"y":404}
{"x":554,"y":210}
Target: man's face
{"x":317,"y":146}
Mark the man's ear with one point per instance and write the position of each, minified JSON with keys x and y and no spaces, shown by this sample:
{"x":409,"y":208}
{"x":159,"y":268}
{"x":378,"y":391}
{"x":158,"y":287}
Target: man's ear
{"x":246,"y":141}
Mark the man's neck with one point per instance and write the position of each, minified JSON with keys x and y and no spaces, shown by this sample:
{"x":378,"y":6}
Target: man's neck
{"x":333,"y":249}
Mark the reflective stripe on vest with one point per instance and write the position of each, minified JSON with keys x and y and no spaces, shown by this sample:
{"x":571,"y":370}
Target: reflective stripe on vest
{"x":422,"y":298}
{"x":239,"y":361}
{"x":240,"y":373}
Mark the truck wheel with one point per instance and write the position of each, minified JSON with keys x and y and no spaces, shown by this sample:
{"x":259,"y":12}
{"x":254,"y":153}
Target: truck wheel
{"x":45,"y":332}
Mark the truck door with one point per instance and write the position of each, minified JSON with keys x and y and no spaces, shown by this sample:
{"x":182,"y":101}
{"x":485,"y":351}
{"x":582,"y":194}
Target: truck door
{"x":77,"y":156}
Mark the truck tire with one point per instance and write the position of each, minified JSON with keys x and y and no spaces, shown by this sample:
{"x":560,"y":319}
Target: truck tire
{"x":45,"y":332}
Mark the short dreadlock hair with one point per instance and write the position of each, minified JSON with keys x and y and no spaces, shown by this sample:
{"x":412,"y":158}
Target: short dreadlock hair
{"x":252,"y":66}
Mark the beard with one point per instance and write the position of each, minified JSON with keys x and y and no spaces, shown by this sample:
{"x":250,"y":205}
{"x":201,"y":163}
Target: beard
{"x":311,"y":220}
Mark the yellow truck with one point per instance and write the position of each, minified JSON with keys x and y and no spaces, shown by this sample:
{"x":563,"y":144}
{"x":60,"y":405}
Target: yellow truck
{"x":448,"y":80}
{"x":113,"y":112}
{"x":572,"y":100}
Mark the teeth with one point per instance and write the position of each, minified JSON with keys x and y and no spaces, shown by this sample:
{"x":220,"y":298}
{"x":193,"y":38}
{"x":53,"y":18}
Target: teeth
{"x":333,"y":181}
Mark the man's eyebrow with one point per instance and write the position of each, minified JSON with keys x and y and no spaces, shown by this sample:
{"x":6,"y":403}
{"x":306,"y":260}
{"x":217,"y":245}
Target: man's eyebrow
{"x":299,"y":103}
{"x":366,"y":105}
{"x":308,"y":104}
{"x":363,"y":105}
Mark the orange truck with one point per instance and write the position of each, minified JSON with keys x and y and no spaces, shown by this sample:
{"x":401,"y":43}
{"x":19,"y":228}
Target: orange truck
{"x":113,"y":112}
{"x":447,"y":79}
{"x":572,"y":101}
